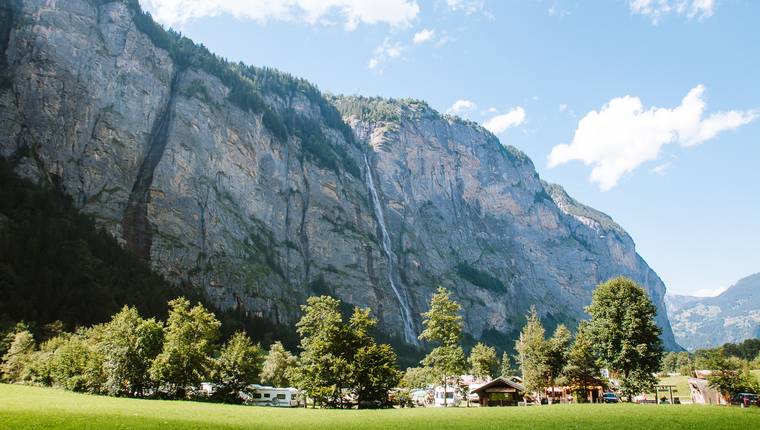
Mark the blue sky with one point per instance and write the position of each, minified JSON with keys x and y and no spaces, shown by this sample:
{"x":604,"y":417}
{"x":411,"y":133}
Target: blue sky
{"x":648,"y":110}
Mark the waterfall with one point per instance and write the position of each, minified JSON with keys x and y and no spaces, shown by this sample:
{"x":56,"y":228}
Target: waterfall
{"x":406,"y":314}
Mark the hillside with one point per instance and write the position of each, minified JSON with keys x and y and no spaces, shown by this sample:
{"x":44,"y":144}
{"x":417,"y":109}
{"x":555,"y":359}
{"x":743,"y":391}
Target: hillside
{"x":708,"y":322}
{"x":255,"y":187}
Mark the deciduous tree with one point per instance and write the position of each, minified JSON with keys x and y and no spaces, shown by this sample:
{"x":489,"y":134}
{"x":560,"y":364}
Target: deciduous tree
{"x":237,"y":367}
{"x":129,"y":346}
{"x":625,"y":335}
{"x":484,"y":363}
{"x":278,"y":365}
{"x":185,"y":359}
{"x":17,"y":357}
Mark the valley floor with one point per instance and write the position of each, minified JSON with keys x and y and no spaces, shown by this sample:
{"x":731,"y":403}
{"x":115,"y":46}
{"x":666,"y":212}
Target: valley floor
{"x":45,"y":408}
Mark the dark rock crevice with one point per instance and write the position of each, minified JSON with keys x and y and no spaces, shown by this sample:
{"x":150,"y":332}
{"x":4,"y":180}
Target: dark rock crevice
{"x":136,"y":228}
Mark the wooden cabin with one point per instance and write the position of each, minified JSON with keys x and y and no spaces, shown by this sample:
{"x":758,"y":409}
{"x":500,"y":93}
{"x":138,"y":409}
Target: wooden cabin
{"x":500,"y":392}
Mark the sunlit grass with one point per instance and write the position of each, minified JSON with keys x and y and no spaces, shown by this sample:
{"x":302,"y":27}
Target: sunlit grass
{"x":45,"y":408}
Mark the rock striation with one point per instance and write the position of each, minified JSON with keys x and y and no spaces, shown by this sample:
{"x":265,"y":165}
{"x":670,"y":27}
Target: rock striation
{"x":255,"y":186}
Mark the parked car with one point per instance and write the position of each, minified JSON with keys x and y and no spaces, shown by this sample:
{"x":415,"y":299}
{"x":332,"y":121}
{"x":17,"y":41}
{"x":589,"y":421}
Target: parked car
{"x":745,"y":400}
{"x":610,"y":398}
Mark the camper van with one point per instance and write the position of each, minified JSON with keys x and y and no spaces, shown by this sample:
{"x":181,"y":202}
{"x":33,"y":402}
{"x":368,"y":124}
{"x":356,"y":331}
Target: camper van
{"x":272,"y":396}
{"x":452,"y":397}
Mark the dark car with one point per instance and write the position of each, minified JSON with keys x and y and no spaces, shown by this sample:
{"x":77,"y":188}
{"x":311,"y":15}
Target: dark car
{"x":745,"y":400}
{"x":610,"y":398}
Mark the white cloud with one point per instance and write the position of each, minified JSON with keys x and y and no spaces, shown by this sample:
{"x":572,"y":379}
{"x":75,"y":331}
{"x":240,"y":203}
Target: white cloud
{"x":384,"y":52}
{"x":657,"y":9}
{"x":461,"y":107}
{"x":500,"y":123}
{"x":623,"y":135}
{"x":467,"y":6}
{"x":660,"y":169}
{"x":708,"y":292}
{"x":353,"y":12}
{"x":423,"y":36}
{"x":562,"y":107}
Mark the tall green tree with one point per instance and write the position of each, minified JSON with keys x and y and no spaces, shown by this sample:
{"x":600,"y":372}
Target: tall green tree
{"x":323,"y":371}
{"x":129,"y":346}
{"x":278,"y":365}
{"x":15,"y":360}
{"x":558,"y":346}
{"x":374,"y":368}
{"x":506,"y":369}
{"x":684,"y":364}
{"x":443,"y":322}
{"x":418,"y":377}
{"x":77,"y":362}
{"x":374,"y":373}
{"x":484,"y":363}
{"x":669,"y":362}
{"x":443,"y":327}
{"x":185,"y":359}
{"x":582,"y":371}
{"x":533,"y":354}
{"x":238,"y":366}
{"x":338,"y":358}
{"x":625,"y":335}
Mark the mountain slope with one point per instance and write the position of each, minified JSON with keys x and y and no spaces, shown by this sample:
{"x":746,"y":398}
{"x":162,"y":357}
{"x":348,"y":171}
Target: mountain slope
{"x":708,"y":322}
{"x":250,"y":183}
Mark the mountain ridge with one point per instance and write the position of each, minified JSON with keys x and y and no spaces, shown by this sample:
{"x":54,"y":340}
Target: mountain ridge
{"x":708,"y":322}
{"x":261,"y":190}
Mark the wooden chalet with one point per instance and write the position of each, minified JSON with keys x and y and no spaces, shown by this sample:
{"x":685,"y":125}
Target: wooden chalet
{"x":500,"y":392}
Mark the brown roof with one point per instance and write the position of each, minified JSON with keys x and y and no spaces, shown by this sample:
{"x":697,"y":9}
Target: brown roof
{"x":499,"y":382}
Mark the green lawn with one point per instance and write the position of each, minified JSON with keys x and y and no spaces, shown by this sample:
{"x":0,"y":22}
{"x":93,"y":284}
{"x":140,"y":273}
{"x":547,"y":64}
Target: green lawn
{"x":682,"y":386}
{"x":45,"y":408}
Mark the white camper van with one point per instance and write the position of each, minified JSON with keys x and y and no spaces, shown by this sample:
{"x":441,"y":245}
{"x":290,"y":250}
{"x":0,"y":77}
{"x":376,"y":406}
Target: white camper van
{"x":272,"y":396}
{"x":452,"y":397}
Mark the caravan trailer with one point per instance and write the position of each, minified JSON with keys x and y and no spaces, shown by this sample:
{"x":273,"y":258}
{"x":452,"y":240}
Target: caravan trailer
{"x":452,"y":396}
{"x":272,"y":396}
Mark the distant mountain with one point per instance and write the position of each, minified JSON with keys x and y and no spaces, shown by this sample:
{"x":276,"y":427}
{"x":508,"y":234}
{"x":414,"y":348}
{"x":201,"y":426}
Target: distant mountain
{"x":705,"y":322}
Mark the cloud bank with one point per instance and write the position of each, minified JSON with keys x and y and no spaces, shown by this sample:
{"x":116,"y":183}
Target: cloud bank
{"x":622,"y":135}
{"x":353,"y":12}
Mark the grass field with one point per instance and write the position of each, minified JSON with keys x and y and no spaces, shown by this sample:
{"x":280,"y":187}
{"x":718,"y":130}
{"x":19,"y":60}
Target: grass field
{"x":682,"y":386}
{"x":45,"y":408}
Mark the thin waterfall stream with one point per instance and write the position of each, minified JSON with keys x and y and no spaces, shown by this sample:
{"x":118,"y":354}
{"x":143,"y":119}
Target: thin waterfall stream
{"x":406,"y":314}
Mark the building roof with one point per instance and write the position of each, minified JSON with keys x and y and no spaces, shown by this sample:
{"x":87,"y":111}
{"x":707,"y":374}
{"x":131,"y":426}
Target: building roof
{"x":500,"y":381}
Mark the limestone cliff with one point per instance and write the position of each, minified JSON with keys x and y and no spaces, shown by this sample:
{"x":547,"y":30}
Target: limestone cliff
{"x":251,"y":183}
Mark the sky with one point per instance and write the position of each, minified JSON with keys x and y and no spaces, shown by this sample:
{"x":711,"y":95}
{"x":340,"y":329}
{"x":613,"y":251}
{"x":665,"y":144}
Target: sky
{"x":648,"y":110}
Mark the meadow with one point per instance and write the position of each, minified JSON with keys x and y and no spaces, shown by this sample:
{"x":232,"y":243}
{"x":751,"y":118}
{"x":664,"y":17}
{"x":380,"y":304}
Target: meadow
{"x":23,"y":407}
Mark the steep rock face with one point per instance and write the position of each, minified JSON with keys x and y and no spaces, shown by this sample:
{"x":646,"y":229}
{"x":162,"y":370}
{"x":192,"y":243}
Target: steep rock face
{"x":160,"y":156}
{"x":472,"y":215}
{"x":264,"y":212}
{"x":708,"y":322}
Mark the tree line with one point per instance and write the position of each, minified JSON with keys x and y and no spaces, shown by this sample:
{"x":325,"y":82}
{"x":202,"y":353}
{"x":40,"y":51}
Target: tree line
{"x":340,"y":362}
{"x":621,"y":335}
{"x":145,"y":357}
